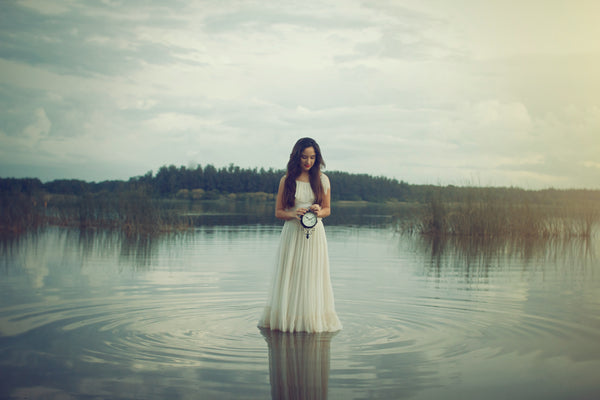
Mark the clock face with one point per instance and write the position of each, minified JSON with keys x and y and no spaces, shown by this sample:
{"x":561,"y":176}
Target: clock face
{"x":309,"y":219}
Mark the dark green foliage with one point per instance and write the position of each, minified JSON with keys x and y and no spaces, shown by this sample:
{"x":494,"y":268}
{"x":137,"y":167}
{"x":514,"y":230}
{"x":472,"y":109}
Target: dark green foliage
{"x":170,"y":180}
{"x":232,"y":179}
{"x":67,"y":186}
{"x":137,"y":204}
{"x":26,"y":186}
{"x":366,"y":187}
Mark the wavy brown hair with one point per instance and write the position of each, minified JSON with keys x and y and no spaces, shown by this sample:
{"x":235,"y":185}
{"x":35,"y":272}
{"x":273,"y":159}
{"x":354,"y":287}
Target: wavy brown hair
{"x":294,"y":170}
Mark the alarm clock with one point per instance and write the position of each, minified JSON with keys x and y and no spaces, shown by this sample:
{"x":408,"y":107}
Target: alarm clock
{"x":308,"y":221}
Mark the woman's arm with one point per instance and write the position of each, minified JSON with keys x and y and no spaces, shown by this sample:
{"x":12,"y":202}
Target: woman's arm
{"x":280,"y":211}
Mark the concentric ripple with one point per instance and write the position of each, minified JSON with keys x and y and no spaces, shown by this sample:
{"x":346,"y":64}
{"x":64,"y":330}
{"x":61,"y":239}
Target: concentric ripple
{"x":150,"y":331}
{"x":188,"y":310}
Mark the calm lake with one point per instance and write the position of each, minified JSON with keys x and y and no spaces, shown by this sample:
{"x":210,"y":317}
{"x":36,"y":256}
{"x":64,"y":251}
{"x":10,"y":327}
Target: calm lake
{"x":97,"y":315}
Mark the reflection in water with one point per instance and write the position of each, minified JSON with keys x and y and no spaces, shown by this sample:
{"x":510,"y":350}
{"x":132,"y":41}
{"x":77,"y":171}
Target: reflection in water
{"x":137,"y":250}
{"x":142,"y":249}
{"x":298,"y":364}
{"x":478,"y":255}
{"x":94,"y":314}
{"x":33,"y":251}
{"x":25,"y":250}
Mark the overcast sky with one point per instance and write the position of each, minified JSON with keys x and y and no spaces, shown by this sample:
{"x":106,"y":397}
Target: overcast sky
{"x":503,"y":93}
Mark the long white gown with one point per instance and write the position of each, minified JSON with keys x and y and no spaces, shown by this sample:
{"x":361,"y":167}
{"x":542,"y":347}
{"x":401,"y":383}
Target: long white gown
{"x":301,"y":296}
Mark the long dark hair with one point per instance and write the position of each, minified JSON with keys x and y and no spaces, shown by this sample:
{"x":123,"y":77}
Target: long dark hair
{"x":294,"y":170}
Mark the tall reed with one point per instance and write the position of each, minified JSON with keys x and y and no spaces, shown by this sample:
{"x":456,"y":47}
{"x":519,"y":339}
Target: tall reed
{"x":20,"y":212}
{"x":482,"y":214}
{"x":132,"y":212}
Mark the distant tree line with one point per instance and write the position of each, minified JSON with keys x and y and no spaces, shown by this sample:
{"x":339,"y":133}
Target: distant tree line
{"x":213,"y":182}
{"x":143,"y":204}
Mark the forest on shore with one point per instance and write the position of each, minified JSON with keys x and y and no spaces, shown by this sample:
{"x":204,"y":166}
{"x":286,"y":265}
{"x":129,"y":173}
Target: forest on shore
{"x":139,"y":203}
{"x":211,"y":183}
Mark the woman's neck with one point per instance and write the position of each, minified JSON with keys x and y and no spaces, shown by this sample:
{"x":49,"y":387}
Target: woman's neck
{"x":303,"y":177}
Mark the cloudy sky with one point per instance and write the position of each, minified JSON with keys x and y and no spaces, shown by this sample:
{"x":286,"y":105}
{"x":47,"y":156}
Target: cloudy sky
{"x":453,"y":92}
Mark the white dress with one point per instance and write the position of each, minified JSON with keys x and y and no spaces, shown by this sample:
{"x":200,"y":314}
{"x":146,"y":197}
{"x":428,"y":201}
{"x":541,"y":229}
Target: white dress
{"x":301,"y":296}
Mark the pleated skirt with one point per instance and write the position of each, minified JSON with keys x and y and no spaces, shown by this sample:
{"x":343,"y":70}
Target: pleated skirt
{"x":301,"y":295}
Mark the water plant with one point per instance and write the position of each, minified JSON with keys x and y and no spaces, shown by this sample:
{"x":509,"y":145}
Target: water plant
{"x":484,"y":213}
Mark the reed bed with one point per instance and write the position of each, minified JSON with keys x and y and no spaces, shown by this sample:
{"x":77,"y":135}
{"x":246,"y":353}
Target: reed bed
{"x":481,"y":214}
{"x":20,"y":212}
{"x":133,"y":212}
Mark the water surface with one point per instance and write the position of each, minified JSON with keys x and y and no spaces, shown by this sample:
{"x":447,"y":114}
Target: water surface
{"x":97,"y":315}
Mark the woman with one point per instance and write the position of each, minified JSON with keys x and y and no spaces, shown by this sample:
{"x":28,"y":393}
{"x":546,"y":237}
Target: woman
{"x":301,"y":297}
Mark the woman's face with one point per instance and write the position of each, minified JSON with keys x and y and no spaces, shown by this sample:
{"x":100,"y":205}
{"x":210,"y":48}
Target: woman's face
{"x":307,"y":158}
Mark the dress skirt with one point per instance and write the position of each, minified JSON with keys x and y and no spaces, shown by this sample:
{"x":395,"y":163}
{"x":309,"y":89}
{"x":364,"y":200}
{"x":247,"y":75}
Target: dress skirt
{"x":301,"y":296}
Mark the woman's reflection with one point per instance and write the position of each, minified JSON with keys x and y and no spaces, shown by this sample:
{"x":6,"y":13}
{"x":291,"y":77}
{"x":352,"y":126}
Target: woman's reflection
{"x":298,"y":364}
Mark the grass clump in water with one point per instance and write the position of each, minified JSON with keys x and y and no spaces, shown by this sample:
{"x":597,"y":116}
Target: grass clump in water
{"x":487,"y":213}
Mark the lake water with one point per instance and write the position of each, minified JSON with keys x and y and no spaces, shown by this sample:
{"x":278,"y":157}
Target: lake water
{"x":96,"y":315}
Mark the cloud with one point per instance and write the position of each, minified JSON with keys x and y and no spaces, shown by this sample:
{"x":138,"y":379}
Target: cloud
{"x":47,"y":7}
{"x":421,"y":91}
{"x":39,"y":128}
{"x":70,"y":38}
{"x":14,"y":147}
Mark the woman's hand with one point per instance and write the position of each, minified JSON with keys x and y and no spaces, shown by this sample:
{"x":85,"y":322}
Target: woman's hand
{"x":300,"y":212}
{"x":316,"y":209}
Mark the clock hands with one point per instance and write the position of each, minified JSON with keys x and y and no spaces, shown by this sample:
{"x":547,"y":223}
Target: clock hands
{"x":308,"y":221}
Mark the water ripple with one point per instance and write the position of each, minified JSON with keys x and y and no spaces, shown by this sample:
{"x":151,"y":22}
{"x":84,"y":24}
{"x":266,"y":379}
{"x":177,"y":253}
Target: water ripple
{"x":193,"y":310}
